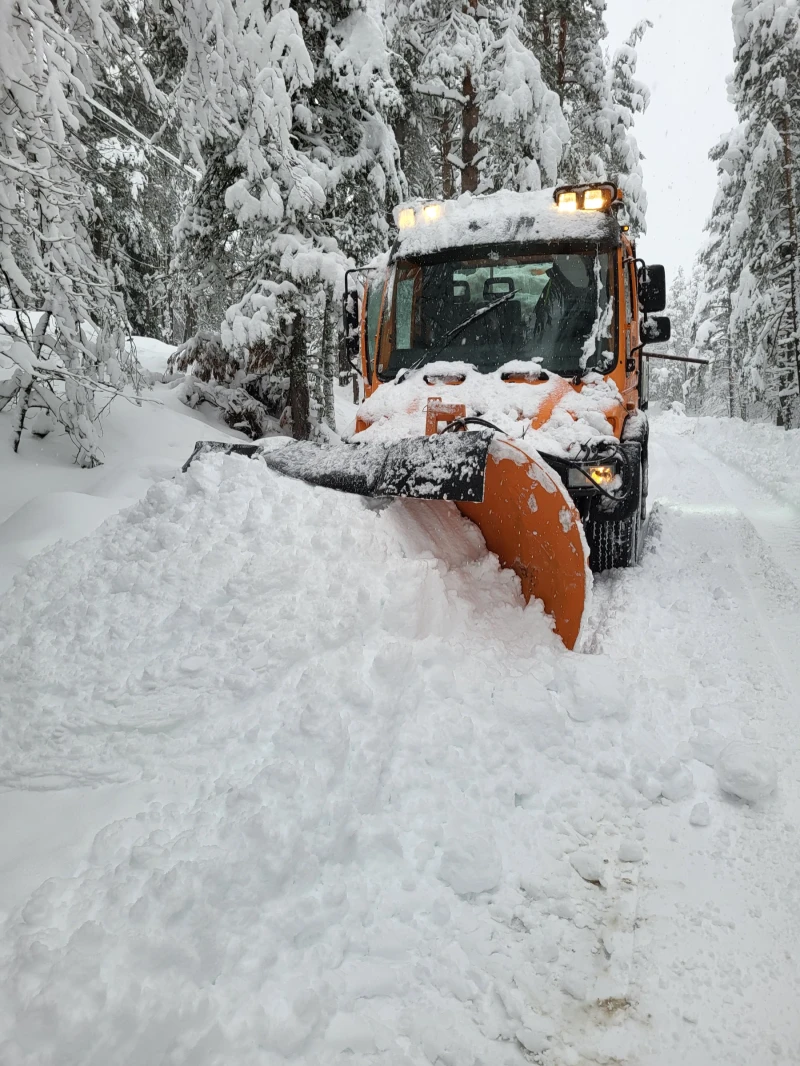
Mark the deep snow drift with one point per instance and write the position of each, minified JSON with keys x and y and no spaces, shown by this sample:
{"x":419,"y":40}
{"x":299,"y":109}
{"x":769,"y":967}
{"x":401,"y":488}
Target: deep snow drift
{"x":374,"y":775}
{"x":293,"y":779}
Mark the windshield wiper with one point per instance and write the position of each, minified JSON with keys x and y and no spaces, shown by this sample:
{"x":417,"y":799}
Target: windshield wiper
{"x":456,"y":331}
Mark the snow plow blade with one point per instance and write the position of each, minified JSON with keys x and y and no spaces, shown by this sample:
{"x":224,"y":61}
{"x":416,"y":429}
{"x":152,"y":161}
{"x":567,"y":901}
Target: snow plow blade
{"x":529,"y":521}
{"x":448,"y":466}
{"x":519,"y":503}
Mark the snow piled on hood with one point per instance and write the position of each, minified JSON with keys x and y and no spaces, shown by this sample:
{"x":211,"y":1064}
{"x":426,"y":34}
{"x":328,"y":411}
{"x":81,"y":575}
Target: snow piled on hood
{"x":502,"y":218}
{"x":370,"y":764}
{"x":398,"y":409}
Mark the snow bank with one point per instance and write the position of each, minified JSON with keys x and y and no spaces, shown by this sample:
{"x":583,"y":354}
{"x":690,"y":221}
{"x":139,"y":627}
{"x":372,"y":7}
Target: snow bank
{"x":45,"y":497}
{"x":368,"y":770}
{"x":768,"y":454}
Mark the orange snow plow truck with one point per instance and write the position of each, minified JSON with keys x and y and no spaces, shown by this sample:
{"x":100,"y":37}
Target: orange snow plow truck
{"x":500,"y":345}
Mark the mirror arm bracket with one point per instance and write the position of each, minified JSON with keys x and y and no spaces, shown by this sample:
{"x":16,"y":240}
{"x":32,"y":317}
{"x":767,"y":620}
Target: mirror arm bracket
{"x":674,"y":358}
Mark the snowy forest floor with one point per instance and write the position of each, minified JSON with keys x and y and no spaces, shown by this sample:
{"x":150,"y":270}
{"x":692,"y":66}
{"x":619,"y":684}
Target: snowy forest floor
{"x":288,"y":778}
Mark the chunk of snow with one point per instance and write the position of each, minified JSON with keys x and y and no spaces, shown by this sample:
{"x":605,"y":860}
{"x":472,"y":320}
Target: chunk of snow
{"x":470,"y":864}
{"x":676,"y":780}
{"x":532,"y":1041}
{"x":746,"y":770}
{"x":589,"y":865}
{"x":706,"y":745}
{"x":590,"y":686}
{"x":700,"y":814}
{"x":631,"y":851}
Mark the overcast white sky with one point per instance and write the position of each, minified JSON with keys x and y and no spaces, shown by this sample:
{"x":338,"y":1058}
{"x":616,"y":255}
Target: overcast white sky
{"x":684,"y":59}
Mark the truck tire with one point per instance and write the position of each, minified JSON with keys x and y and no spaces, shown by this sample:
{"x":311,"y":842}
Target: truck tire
{"x":613,"y":545}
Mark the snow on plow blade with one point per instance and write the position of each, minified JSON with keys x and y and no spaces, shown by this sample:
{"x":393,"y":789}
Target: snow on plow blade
{"x":529,"y":521}
{"x":448,"y":466}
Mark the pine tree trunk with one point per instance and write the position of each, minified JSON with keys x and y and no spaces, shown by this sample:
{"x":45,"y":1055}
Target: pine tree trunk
{"x":469,"y":145}
{"x":298,"y":379}
{"x":732,"y":412}
{"x":446,"y":140}
{"x":469,"y":127}
{"x":561,"y":56}
{"x":794,"y":276}
{"x":328,"y":360}
{"x":22,"y":410}
{"x":189,"y":319}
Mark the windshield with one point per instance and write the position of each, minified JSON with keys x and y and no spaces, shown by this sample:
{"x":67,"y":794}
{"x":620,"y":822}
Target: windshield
{"x":554,"y":309}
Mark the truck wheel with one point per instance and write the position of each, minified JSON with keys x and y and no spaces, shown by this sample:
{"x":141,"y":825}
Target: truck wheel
{"x":616,"y":544}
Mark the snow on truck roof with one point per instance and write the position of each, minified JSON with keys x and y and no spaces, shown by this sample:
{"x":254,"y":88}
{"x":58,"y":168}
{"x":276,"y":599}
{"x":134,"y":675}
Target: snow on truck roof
{"x":503,"y":217}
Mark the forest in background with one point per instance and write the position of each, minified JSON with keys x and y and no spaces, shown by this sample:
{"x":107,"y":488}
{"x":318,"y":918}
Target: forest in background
{"x":205,"y":171}
{"x":739,"y":307}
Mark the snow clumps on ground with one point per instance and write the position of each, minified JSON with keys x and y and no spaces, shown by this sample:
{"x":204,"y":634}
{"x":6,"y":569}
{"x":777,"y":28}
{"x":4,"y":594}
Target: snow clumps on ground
{"x":746,"y":770}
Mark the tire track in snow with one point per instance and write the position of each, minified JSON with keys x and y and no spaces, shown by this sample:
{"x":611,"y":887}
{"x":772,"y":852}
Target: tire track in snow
{"x":712,"y":983}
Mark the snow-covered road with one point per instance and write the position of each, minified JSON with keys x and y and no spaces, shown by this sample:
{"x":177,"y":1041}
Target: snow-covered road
{"x":716,"y":971}
{"x":284,"y":782}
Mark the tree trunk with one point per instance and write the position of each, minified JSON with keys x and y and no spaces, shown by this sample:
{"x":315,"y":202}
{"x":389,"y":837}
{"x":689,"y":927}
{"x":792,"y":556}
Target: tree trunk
{"x":469,"y":127}
{"x":561,"y":56}
{"x":328,"y":360}
{"x":189,"y":319}
{"x":794,"y":276}
{"x":446,"y":142}
{"x":22,"y":410}
{"x":298,"y":379}
{"x":469,"y":145}
{"x":732,"y":411}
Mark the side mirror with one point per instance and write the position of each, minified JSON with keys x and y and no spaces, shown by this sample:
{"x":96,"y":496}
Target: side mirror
{"x":656,"y":330}
{"x":351,"y":327}
{"x":652,"y":289}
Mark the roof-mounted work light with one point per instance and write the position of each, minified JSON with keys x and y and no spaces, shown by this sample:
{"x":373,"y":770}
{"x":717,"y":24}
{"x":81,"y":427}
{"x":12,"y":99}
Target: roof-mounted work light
{"x":586,"y":197}
{"x":419,"y":214}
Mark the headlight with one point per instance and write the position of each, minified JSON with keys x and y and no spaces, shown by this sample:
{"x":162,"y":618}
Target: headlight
{"x":581,"y":478}
{"x":406,"y":218}
{"x":602,"y":475}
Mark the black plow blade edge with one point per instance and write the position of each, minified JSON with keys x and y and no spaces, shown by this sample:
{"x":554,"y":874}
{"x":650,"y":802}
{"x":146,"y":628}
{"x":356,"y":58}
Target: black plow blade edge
{"x":203,"y":447}
{"x":450,"y":466}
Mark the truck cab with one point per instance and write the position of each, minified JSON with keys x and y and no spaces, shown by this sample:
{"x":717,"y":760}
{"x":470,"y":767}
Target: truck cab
{"x":542,"y":290}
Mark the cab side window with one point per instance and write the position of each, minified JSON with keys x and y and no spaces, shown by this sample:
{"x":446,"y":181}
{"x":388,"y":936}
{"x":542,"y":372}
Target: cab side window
{"x":374,"y":294}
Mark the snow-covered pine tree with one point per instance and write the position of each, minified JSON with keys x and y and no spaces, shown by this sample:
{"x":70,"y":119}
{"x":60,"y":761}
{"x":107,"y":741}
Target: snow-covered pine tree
{"x":715,"y":389}
{"x":521,"y":128}
{"x":286,"y":118}
{"x":766,"y":93}
{"x":568,"y":36}
{"x":668,"y":378}
{"x":628,"y":97}
{"x":69,"y":337}
{"x":423,"y":122}
{"x":473,"y":74}
{"x":138,"y":186}
{"x":600,"y":101}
